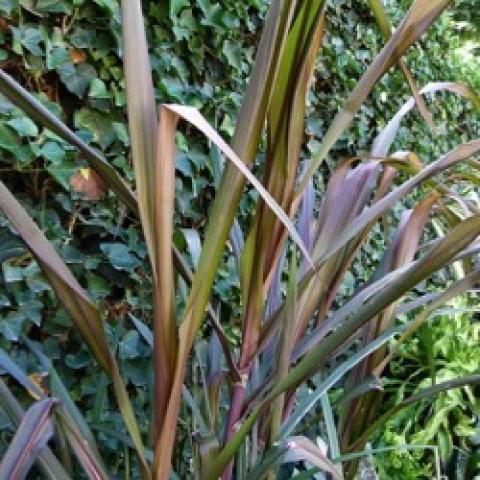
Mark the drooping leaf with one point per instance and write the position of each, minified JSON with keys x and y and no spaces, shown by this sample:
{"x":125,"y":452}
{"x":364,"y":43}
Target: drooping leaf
{"x":194,"y":117}
{"x":416,"y":21}
{"x":16,"y":372}
{"x":381,"y":144}
{"x":87,"y":457}
{"x":296,"y":449}
{"x":69,"y":409}
{"x":31,"y":437}
{"x":46,"y":461}
{"x":383,"y":22}
{"x":245,"y":142}
{"x":34,"y":109}
{"x":82,"y":311}
{"x":458,"y":239}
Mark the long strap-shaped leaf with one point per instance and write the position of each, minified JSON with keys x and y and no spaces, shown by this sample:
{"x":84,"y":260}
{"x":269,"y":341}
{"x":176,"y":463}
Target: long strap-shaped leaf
{"x":34,"y":109}
{"x":296,"y":449}
{"x":88,"y":458}
{"x":376,"y":210}
{"x":245,"y":143}
{"x":165,"y":325}
{"x":83,"y":312}
{"x":459,"y":287}
{"x":381,"y":144}
{"x":383,"y":23}
{"x":459,"y":238}
{"x":19,"y":375}
{"x":32,"y":436}
{"x":68,"y":408}
{"x":47,"y":462}
{"x":169,"y":115}
{"x":69,"y":291}
{"x":309,"y":401}
{"x":356,"y":226}
{"x":142,"y":116}
{"x":195,"y":118}
{"x":418,"y":18}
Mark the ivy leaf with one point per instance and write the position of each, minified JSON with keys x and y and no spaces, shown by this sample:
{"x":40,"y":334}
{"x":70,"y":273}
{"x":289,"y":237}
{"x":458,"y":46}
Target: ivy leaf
{"x":98,"y":287}
{"x":31,"y":39}
{"x":233,"y":53}
{"x":184,"y":25}
{"x":80,"y":360}
{"x":129,"y":346}
{"x":12,"y":274}
{"x":32,"y":309}
{"x":212,"y":14}
{"x":88,"y":183}
{"x":8,"y":6}
{"x":4,"y":301}
{"x":76,"y":78}
{"x":53,"y":152}
{"x":98,"y":89}
{"x":121,"y":133}
{"x":119,"y":256}
{"x":37,"y":283}
{"x":10,"y":142}
{"x":11,"y":326}
{"x":99,"y":124}
{"x":176,"y":6}
{"x":10,"y":246}
{"x":23,"y":126}
{"x":53,"y":6}
{"x":82,"y":37}
{"x":57,"y":56}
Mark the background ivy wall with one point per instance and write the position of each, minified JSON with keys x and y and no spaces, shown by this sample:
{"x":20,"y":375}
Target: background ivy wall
{"x":68,"y":52}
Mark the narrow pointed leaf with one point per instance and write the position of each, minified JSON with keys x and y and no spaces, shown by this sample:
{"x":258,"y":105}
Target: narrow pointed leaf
{"x":246,"y":139}
{"x":310,"y":400}
{"x":142,"y":117}
{"x":32,"y":436}
{"x":295,"y":449}
{"x":301,"y":448}
{"x":83,"y":312}
{"x":376,"y":210}
{"x":69,"y":291}
{"x":381,"y":144}
{"x":383,"y":22}
{"x":69,"y":408}
{"x":34,"y":109}
{"x":331,"y":428}
{"x":46,"y":461}
{"x":457,"y":288}
{"x":459,"y":238}
{"x":87,"y":457}
{"x":16,"y":372}
{"x":416,"y":21}
{"x":164,"y":324}
{"x":194,"y":117}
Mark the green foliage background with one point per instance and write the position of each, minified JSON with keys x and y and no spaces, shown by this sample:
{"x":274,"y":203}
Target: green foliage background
{"x":69,"y":53}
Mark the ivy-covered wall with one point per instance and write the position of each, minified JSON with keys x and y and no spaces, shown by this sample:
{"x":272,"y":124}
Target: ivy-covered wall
{"x":68,"y":53}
